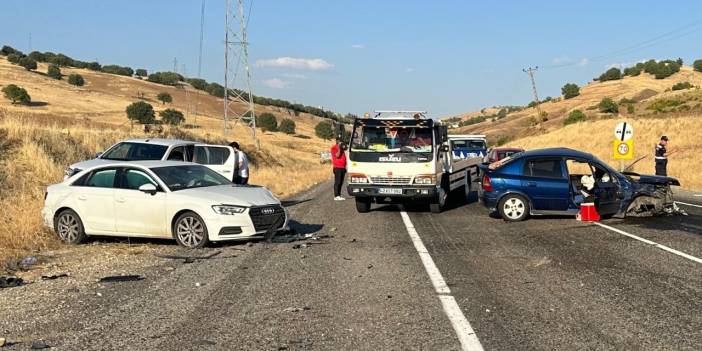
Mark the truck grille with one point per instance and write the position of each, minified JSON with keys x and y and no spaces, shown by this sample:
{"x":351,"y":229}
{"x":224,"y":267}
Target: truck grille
{"x":265,"y":217}
{"x":391,"y":180}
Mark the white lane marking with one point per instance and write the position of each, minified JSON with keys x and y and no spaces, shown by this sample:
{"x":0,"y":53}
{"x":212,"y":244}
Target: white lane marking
{"x":662,"y":247}
{"x":698,"y":195}
{"x":687,"y":204}
{"x":466,"y":335}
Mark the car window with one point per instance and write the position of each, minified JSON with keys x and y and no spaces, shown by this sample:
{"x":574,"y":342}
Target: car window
{"x":211,"y":155}
{"x":578,"y":168}
{"x":602,"y":175}
{"x":177,"y":154}
{"x":189,"y":176}
{"x":134,"y":178}
{"x":544,"y":168}
{"x":104,"y":178}
{"x":130,"y":151}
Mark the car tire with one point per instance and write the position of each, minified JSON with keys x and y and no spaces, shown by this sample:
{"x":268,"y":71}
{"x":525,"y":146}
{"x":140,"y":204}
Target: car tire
{"x":69,"y":227}
{"x":363,"y":205}
{"x":513,"y":208}
{"x":190,"y":231}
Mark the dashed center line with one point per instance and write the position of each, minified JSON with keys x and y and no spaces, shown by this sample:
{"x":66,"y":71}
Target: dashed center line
{"x":652,"y":243}
{"x":466,"y":335}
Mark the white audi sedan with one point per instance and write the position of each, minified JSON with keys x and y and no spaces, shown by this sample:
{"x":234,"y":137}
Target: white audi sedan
{"x":185,"y":201}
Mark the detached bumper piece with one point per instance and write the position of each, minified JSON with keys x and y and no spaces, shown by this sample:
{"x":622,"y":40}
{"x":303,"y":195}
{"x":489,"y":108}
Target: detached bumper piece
{"x":265,"y":218}
{"x":380,"y":191}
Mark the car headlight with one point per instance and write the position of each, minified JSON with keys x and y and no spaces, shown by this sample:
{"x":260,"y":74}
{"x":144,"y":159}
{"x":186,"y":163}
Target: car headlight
{"x":427,"y":179}
{"x":358,"y":178}
{"x":228,"y":209}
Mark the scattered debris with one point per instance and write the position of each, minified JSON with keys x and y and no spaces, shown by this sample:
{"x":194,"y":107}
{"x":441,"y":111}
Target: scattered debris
{"x":121,"y":278}
{"x":297,"y":309}
{"x":190,"y":259}
{"x":204,"y":342}
{"x":27,"y":262}
{"x":487,"y":310}
{"x":249,"y":244}
{"x":39,"y":345}
{"x":198,"y":285}
{"x":10,"y":282}
{"x":332,"y":229}
{"x":299,"y":246}
{"x":2,"y":342}
{"x":54,"y":277}
{"x":389,"y":296}
{"x":99,"y":294}
{"x":346,"y":258}
{"x":370,"y":266}
{"x":353,"y":240}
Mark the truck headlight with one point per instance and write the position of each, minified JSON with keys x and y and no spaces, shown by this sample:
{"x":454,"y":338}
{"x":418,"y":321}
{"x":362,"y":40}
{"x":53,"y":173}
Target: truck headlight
{"x":228,"y":209}
{"x":358,"y":178}
{"x":427,"y":179}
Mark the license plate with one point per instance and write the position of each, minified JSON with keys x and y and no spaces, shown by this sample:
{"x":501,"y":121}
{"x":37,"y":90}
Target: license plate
{"x":390,"y":191}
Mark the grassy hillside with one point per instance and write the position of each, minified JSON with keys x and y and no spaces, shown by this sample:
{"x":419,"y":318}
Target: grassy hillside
{"x":66,"y":124}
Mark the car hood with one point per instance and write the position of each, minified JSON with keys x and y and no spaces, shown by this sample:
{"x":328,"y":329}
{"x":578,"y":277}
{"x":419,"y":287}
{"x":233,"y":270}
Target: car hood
{"x":652,"y":179}
{"x":239,"y":195}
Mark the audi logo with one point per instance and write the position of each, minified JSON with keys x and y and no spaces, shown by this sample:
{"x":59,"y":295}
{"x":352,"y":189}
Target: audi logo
{"x":268,"y":210}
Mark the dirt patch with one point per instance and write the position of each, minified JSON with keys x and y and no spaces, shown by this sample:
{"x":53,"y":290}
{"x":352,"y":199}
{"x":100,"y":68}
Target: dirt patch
{"x":644,"y":94}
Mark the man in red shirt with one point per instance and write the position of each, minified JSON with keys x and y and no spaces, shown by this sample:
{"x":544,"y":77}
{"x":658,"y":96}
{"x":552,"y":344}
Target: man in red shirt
{"x":339,"y":162}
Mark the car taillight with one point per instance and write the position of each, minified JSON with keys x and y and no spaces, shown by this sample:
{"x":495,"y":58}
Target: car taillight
{"x":487,"y":186}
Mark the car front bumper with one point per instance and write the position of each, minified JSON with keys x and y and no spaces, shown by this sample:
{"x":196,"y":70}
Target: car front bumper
{"x":246,"y":225}
{"x":392,"y":191}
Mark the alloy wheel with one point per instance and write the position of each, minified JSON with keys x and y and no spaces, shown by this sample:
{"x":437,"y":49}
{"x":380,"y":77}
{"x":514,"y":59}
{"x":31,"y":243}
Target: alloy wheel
{"x":190,"y":231}
{"x":514,"y":208}
{"x":68,"y":227}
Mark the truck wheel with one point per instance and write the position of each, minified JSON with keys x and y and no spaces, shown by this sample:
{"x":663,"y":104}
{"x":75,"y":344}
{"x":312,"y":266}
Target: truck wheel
{"x":363,"y":205}
{"x":513,"y":208}
{"x":437,"y":205}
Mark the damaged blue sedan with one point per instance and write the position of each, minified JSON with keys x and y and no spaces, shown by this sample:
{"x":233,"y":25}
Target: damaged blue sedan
{"x":557,"y":181}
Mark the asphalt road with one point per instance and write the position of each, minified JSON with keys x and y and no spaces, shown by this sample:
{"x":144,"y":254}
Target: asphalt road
{"x":543,"y":284}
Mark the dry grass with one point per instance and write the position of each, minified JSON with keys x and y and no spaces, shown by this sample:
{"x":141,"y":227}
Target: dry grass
{"x":73,"y":123}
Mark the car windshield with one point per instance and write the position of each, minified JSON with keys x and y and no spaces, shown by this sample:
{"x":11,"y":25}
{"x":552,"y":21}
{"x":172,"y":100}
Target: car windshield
{"x":129,"y":151}
{"x":392,"y":139}
{"x":469,"y":144}
{"x":189,"y":177}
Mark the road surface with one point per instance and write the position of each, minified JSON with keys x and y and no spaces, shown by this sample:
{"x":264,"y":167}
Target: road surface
{"x":543,"y":284}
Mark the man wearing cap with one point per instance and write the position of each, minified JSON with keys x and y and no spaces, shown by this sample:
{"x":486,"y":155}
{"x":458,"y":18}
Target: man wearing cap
{"x":662,"y":157}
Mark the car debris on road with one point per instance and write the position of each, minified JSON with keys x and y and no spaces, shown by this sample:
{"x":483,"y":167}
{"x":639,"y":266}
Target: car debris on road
{"x":10,"y":282}
{"x":55,"y":276}
{"x":297,"y":309}
{"x":121,"y":278}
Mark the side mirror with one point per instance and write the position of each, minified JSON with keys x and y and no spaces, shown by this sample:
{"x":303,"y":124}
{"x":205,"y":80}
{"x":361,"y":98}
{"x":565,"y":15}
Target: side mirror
{"x":97,"y":155}
{"x":148,"y":188}
{"x":444,"y":148}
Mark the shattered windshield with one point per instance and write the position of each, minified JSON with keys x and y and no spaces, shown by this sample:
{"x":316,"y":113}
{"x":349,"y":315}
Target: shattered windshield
{"x":392,"y":139}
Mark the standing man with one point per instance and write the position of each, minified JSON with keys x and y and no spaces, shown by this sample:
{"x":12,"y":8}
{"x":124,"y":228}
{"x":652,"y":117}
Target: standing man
{"x":339,"y":163}
{"x":662,"y":157}
{"x":241,"y":165}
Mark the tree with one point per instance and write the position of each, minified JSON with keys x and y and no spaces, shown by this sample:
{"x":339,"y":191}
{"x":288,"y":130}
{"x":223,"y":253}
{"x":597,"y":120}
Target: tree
{"x":679,"y":61}
{"x":215,"y":89}
{"x":575,"y":116}
{"x":682,"y":86}
{"x":14,"y":58}
{"x":165,"y":78}
{"x":164,"y":97}
{"x":16,"y":94}
{"x":267,"y":122}
{"x":197,"y":83}
{"x":608,"y":105}
{"x":613,"y":73}
{"x":287,"y":126}
{"x":37,"y":56}
{"x":570,"y":90}
{"x":61,"y":60}
{"x":140,"y":72}
{"x":632,"y":71}
{"x":76,"y":79}
{"x":93,"y":66}
{"x":28,"y":63}
{"x":697,"y":65}
{"x":119,"y":70}
{"x":7,"y":50}
{"x":54,"y":72}
{"x":141,"y":112}
{"x":172,"y":116}
{"x":324,"y":130}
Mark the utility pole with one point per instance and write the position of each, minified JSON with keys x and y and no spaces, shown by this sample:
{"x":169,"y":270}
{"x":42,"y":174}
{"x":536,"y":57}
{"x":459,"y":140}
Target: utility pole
{"x":530,"y":71}
{"x":199,"y":58}
{"x":30,"y":42}
{"x":237,"y":70}
{"x":175,"y":65}
{"x":187,"y":95}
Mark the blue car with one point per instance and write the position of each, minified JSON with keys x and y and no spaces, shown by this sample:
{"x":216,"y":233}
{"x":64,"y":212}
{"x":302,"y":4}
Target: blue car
{"x":556,"y":181}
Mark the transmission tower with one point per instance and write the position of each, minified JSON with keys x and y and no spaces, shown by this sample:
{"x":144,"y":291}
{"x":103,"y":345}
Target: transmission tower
{"x":199,"y":58}
{"x":188,"y":104}
{"x":530,"y":71}
{"x":238,"y":100}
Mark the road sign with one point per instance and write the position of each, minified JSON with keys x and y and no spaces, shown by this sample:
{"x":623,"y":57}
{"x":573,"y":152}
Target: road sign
{"x":623,"y":150}
{"x":624,"y":131}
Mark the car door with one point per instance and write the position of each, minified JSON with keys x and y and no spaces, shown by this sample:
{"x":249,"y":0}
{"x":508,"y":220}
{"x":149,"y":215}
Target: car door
{"x":546,"y":184}
{"x":606,"y":191}
{"x":95,"y":198}
{"x":216,"y":157}
{"x":139,"y":213}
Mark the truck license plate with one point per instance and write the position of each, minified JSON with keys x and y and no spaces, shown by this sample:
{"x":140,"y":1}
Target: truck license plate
{"x":390,"y":191}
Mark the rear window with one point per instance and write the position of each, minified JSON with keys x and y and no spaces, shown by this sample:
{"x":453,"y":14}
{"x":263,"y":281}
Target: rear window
{"x":130,"y":151}
{"x":211,"y":155}
{"x":543,"y":168}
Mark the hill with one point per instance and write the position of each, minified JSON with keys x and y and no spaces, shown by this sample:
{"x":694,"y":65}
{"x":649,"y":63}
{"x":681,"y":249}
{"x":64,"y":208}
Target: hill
{"x":655,"y":110}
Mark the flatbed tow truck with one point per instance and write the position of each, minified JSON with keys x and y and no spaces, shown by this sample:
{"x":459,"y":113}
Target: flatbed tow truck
{"x":403,"y":156}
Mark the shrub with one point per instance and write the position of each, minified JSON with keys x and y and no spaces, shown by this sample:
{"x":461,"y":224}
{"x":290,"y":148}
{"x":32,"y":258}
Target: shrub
{"x":215,"y":89}
{"x":165,"y":78}
{"x":267,"y":122}
{"x":575,"y":116}
{"x":28,"y":63}
{"x":16,"y":94}
{"x":697,"y":65}
{"x":119,"y":70}
{"x":287,"y":126}
{"x":14,"y":58}
{"x":93,"y":66}
{"x":60,"y":60}
{"x":502,"y":139}
{"x":324,"y":130}
{"x":608,"y":105}
{"x":54,"y":72}
{"x":570,"y":90}
{"x":666,"y":69}
{"x":630,"y":109}
{"x":164,"y":97}
{"x":172,"y":117}
{"x":544,"y":116}
{"x":661,"y":105}
{"x":141,"y":112}
{"x":613,"y":73}
{"x":197,"y":83}
{"x":532,"y":104}
{"x":626,"y":101}
{"x":682,"y":86}
{"x":140,"y":72}
{"x":7,"y":50}
{"x":532,"y":121}
{"x":37,"y":56}
{"x":632,"y":71}
{"x":76,"y":79}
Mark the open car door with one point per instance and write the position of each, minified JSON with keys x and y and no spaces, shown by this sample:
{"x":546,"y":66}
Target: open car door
{"x":218,"y":158}
{"x":606,"y":191}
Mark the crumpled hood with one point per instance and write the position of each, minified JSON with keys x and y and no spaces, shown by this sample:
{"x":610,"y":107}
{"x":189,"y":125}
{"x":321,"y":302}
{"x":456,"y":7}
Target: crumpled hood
{"x":239,"y":195}
{"x":653,"y":179}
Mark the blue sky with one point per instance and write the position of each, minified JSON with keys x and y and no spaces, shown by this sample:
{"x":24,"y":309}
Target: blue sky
{"x":353,"y":56}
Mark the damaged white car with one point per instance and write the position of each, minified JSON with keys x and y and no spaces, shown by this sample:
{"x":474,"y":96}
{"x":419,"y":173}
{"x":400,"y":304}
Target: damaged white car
{"x":161,"y":199}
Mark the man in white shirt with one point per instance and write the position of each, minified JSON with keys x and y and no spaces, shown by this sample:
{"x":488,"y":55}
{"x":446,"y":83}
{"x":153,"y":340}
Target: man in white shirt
{"x":241,"y":165}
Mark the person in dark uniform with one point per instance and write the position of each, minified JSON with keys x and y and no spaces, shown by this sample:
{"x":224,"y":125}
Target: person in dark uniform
{"x":662,"y":157}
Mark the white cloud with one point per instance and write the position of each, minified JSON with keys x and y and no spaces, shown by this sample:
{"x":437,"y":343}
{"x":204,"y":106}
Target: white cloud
{"x":315,"y":64}
{"x":295,"y":76}
{"x":619,"y":65}
{"x":563,"y":60}
{"x":584,"y":61}
{"x":358,"y":46}
{"x":275,"y":83}
{"x":409,"y":69}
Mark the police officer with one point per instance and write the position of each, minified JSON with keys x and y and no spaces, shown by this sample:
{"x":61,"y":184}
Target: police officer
{"x":662,"y":157}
